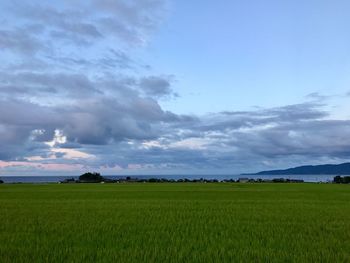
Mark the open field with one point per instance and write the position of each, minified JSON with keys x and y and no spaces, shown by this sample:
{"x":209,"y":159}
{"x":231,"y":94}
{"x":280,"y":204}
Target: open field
{"x":175,"y":223}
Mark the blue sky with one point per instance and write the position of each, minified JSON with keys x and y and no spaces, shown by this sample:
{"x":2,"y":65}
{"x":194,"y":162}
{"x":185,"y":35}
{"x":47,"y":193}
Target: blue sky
{"x":239,"y":54}
{"x":164,"y":87}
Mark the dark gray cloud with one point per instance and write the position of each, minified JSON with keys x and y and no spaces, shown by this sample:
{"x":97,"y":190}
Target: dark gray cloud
{"x":39,"y":84}
{"x":18,"y":40}
{"x":111,"y":60}
{"x":234,"y":120}
{"x":140,"y":132}
{"x":78,"y":85}
{"x":156,"y":86}
{"x":274,"y":139}
{"x":83,"y":22}
{"x":102,"y":111}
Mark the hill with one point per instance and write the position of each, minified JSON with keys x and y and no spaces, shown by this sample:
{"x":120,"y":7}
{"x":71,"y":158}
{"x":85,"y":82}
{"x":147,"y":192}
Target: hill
{"x":331,"y":169}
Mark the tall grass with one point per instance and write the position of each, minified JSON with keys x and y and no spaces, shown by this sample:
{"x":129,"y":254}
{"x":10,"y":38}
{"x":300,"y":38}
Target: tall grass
{"x":175,"y":223}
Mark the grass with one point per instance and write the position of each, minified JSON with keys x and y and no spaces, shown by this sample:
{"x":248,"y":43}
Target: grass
{"x":175,"y":223}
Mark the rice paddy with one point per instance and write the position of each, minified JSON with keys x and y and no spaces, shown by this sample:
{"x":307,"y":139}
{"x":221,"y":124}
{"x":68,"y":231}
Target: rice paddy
{"x":174,"y":222}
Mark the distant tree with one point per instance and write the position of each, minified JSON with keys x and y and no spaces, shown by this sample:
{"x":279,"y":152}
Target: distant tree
{"x":341,"y":179}
{"x":153,"y":180}
{"x":278,"y":180}
{"x":1,"y":181}
{"x":91,"y":177}
{"x":337,"y":179}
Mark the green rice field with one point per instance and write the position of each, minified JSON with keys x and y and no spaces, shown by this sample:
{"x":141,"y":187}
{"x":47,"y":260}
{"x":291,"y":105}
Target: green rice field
{"x":175,"y":222}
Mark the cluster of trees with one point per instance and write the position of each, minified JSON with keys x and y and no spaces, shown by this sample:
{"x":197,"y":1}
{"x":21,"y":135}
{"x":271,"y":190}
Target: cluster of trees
{"x":87,"y":178}
{"x":1,"y":181}
{"x":97,"y":178}
{"x":283,"y":180}
{"x":341,"y":179}
{"x":91,"y":177}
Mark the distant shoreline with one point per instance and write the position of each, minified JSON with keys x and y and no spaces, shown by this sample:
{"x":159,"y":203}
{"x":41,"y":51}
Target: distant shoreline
{"x":56,"y":179}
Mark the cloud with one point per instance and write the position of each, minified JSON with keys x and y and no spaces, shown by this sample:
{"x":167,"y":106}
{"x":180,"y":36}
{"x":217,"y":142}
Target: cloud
{"x":73,"y":97}
{"x":85,"y":22}
{"x":130,"y":20}
{"x":18,"y":40}
{"x":140,"y":132}
{"x":156,"y":86}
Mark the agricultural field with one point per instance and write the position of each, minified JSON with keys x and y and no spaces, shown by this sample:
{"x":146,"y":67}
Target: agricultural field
{"x":178,"y":222}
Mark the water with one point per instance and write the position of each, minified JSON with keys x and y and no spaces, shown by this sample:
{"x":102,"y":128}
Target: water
{"x":56,"y":179}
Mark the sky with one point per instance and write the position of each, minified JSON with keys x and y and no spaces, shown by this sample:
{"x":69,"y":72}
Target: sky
{"x":172,"y":87}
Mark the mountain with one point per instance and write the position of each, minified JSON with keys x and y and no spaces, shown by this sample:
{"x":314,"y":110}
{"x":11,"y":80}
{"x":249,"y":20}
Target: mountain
{"x":331,"y":169}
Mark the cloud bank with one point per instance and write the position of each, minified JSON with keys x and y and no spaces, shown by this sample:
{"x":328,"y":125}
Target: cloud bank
{"x":74,"y":98}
